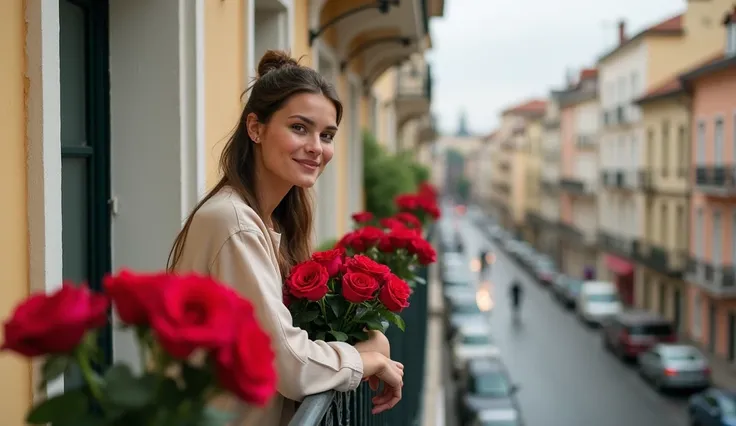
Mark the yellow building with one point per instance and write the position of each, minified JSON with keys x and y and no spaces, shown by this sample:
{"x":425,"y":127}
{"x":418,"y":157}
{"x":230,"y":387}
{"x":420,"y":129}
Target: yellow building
{"x":664,"y":247}
{"x":114,"y":113}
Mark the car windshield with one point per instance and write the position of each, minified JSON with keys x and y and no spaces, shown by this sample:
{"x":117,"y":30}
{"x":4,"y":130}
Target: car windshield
{"x":494,"y":385}
{"x":476,"y":339}
{"x":602,"y":298}
{"x":682,"y":354}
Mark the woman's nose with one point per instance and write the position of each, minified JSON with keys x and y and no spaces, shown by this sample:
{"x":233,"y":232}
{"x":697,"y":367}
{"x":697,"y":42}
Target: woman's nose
{"x":314,"y":146}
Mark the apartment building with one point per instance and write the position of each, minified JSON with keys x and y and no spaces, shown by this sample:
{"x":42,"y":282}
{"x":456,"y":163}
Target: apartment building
{"x":711,"y":297}
{"x":579,"y":125}
{"x":549,"y":212}
{"x":502,"y":176}
{"x":114,"y":115}
{"x":482,"y":174}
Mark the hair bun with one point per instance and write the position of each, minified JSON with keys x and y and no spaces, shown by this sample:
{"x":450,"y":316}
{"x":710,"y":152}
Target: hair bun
{"x":273,"y":60}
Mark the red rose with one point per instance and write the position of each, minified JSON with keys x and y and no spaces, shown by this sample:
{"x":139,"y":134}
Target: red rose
{"x":392,"y":223}
{"x":54,"y":323}
{"x":427,"y":190}
{"x":245,"y":367}
{"x":366,"y":238}
{"x":345,"y":241}
{"x":359,"y":287}
{"x":132,"y":294}
{"x":364,"y":264}
{"x":395,"y":294}
{"x":362,"y":217}
{"x":429,"y":206}
{"x":408,"y":219}
{"x":331,"y":259}
{"x":385,"y":244}
{"x":424,"y":251}
{"x":407,"y":202}
{"x":401,"y":238}
{"x":194,"y":312}
{"x":308,"y":280}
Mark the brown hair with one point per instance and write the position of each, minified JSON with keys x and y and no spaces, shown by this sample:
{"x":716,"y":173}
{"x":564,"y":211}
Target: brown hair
{"x":279,"y":78}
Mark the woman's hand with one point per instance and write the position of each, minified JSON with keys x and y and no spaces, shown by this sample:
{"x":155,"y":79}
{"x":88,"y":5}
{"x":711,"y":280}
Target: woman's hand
{"x":377,"y":342}
{"x":379,"y":368}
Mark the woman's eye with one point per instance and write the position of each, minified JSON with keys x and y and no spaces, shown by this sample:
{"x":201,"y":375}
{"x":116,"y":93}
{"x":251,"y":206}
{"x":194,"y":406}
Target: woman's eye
{"x":328,"y":137}
{"x":299,"y":128}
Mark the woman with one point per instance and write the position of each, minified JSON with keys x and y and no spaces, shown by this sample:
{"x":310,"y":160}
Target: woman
{"x":256,"y":223}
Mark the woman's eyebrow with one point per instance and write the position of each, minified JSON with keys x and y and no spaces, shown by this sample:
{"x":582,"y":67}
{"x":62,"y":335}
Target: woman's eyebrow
{"x":311,"y":122}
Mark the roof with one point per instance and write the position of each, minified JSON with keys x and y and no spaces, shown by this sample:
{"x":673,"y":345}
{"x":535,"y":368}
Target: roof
{"x":670,"y":26}
{"x":588,"y":73}
{"x":532,"y":106}
{"x":718,"y":63}
{"x":669,"y":87}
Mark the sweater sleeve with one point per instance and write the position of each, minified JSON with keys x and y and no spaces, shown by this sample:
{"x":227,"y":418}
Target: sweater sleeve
{"x":304,"y":366}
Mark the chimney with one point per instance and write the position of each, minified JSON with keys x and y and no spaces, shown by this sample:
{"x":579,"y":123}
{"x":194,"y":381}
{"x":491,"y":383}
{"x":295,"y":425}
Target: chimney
{"x":621,"y":32}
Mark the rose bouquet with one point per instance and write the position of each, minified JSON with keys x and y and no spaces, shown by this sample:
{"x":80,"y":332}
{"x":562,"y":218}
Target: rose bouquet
{"x":198,"y":339}
{"x":398,"y":244}
{"x":339,"y":298}
{"x":423,"y":204}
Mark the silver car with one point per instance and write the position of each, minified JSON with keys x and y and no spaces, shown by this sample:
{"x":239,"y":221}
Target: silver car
{"x":670,"y":366}
{"x":471,"y":342}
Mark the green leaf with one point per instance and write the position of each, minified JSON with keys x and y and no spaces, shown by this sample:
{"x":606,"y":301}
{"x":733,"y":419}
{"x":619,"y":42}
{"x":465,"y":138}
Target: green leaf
{"x":127,"y":391}
{"x":305,"y":317}
{"x":395,"y":319}
{"x":375,"y":325}
{"x":214,"y":417}
{"x":419,"y":280}
{"x":339,"y":335}
{"x":70,"y":406}
{"x":359,"y":335}
{"x":321,"y":335}
{"x":196,"y":379}
{"x":337,"y":306}
{"x":55,"y":366}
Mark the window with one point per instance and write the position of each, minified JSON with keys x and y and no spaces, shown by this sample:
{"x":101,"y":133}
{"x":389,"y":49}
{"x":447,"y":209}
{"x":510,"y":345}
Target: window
{"x":716,"y":255}
{"x":699,"y":243}
{"x":718,"y":140}
{"x":681,"y":224}
{"x":700,"y":145}
{"x":665,"y":147}
{"x":663,"y":228}
{"x":682,"y":155}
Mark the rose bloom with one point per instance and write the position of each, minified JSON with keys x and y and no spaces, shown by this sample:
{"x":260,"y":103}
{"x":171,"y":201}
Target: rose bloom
{"x":194,"y":312}
{"x":308,"y":280}
{"x":407,"y":202}
{"x":246,"y":366}
{"x":395,"y":294}
{"x":132,"y":294}
{"x":392,"y":223}
{"x":331,"y":259}
{"x":366,"y":238}
{"x":426,"y":254}
{"x":362,"y":217}
{"x":359,"y":287}
{"x":54,"y":323}
{"x":408,"y":219}
{"x":401,"y":238}
{"x":362,"y":263}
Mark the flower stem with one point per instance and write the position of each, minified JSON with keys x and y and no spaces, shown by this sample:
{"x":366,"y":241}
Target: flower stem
{"x":89,"y":375}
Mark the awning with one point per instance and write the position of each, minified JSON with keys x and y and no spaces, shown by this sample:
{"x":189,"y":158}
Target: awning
{"x":618,"y":265}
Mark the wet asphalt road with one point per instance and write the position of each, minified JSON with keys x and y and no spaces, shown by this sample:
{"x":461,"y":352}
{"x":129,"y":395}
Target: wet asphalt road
{"x":566,"y":377}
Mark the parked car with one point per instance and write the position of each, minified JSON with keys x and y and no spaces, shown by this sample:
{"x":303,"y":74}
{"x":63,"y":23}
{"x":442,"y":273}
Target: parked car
{"x":566,"y":289}
{"x":472,"y":341}
{"x":675,"y":366}
{"x":631,"y":333}
{"x":713,"y":407}
{"x":544,"y":269}
{"x":462,"y":310}
{"x":486,"y":385}
{"x":503,"y":413}
{"x":597,"y":302}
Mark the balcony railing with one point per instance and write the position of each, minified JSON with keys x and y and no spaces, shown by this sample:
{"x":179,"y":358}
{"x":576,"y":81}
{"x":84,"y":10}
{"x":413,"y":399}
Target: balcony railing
{"x":586,"y":142}
{"x":646,"y":180}
{"x":354,"y":408}
{"x":550,"y":186}
{"x":577,"y":186}
{"x":618,"y":244}
{"x":716,"y":180}
{"x":717,"y":280}
{"x":669,"y":262}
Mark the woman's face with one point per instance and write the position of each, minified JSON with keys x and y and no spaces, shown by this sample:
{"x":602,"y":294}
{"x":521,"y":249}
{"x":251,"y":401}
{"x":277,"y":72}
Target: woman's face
{"x":297,"y":143}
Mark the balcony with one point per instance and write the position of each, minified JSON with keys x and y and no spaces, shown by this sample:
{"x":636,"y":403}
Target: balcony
{"x":646,"y":180}
{"x":577,"y":186}
{"x":585,"y":142}
{"x":669,"y":262}
{"x":536,"y":219}
{"x":550,"y":186}
{"x":354,"y":408}
{"x":716,"y":280}
{"x":428,"y":129}
{"x":613,"y":178}
{"x":552,"y":123}
{"x":572,"y":233}
{"x":719,"y":181}
{"x":623,"y":246}
{"x":414,"y":92}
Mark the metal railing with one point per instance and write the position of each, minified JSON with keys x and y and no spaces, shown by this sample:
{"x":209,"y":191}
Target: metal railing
{"x":333,"y":408}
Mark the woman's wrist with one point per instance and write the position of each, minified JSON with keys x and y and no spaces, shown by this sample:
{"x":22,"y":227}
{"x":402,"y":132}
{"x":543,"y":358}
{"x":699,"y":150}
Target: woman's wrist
{"x":373,"y":362}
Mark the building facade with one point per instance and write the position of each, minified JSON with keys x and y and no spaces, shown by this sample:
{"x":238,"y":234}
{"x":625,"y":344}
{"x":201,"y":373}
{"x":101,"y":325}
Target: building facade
{"x":549,"y":241}
{"x":711,"y":297}
{"x":115,"y":114}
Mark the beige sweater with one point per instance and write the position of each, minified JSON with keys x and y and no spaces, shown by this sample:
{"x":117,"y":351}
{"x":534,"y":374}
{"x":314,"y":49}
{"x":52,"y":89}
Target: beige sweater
{"x":228,"y":241}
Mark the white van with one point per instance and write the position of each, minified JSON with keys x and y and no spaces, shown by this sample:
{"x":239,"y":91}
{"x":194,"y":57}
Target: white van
{"x":598,"y":301}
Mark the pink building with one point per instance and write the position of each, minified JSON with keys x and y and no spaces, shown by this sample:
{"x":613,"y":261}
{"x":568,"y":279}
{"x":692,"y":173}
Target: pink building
{"x":712,"y":283}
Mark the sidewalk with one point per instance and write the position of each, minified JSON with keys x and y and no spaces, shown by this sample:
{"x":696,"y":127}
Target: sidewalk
{"x":433,"y":413}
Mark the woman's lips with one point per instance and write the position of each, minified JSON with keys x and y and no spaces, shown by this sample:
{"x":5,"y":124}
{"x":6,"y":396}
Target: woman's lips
{"x":309,"y":164}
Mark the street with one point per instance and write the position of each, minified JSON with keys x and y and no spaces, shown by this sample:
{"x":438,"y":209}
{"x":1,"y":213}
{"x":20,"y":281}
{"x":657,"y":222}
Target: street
{"x":565,"y":376}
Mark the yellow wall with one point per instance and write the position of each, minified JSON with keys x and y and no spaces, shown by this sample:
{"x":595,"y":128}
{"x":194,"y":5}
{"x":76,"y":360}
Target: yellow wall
{"x":533,"y":166}
{"x":342,"y":155}
{"x":15,"y":392}
{"x":225,"y":79}
{"x":384,"y":89}
{"x":301,"y":48}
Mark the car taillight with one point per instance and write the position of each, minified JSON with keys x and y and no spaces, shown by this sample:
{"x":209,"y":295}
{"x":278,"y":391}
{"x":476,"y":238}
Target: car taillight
{"x":670,"y":372}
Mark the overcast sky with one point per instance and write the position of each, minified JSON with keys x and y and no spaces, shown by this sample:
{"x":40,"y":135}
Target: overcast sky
{"x":490,"y":54}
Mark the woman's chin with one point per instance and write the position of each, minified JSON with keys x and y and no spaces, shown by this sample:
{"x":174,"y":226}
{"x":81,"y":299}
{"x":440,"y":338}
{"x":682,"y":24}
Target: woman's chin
{"x":306,"y":182}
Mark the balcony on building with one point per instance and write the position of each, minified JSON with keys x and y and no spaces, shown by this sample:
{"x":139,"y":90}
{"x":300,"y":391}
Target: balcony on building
{"x":646,"y":181}
{"x":618,"y":244}
{"x":586,"y":142}
{"x":576,"y":185}
{"x":665,"y":260}
{"x":718,"y":280}
{"x":575,"y":234}
{"x":413,"y":90}
{"x":716,"y":180}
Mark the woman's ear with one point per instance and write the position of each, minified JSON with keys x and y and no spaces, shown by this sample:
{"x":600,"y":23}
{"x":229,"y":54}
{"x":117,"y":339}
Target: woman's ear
{"x":253,"y":127}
